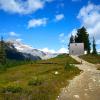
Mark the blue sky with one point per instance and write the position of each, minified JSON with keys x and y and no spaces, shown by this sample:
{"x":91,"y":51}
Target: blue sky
{"x":47,"y":24}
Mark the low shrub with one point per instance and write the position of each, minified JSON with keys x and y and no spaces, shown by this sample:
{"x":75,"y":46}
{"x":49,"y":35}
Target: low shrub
{"x":11,"y":89}
{"x":35,"y":81}
{"x":68,"y":66}
{"x":2,"y":67}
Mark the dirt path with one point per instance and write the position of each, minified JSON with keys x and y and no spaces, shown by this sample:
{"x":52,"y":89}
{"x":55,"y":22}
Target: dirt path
{"x":86,"y":86}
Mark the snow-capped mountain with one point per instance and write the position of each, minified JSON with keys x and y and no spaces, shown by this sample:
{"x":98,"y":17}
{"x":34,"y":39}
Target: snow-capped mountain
{"x":12,"y":53}
{"x":23,"y":48}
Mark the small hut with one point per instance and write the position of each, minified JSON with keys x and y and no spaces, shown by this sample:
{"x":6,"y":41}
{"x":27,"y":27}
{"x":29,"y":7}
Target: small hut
{"x":76,"y":49}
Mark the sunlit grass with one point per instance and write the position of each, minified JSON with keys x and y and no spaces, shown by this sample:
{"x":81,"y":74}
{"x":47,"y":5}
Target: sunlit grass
{"x":95,"y":59}
{"x":41,"y":80}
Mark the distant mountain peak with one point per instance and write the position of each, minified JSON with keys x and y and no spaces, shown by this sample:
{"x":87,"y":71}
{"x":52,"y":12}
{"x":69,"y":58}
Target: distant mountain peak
{"x":24,"y":48}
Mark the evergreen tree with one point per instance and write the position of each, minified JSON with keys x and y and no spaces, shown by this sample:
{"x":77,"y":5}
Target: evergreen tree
{"x":72,"y":39}
{"x":83,"y":37}
{"x":2,"y":52}
{"x":94,"y":47}
{"x":76,"y":39}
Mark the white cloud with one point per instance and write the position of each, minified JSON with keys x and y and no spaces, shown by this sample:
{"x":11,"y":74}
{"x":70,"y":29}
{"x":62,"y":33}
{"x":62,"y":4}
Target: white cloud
{"x":98,"y":42}
{"x":59,"y":17}
{"x":62,"y":38}
{"x":63,"y":50}
{"x":64,"y":41}
{"x":21,"y":6}
{"x":90,"y":18}
{"x":13,"y":34}
{"x":48,"y":50}
{"x":73,"y":32}
{"x":99,"y":51}
{"x":19,"y":40}
{"x":61,"y":35}
{"x":37,"y":22}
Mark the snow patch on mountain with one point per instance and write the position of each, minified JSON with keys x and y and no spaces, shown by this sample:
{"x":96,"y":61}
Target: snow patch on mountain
{"x":21,"y":47}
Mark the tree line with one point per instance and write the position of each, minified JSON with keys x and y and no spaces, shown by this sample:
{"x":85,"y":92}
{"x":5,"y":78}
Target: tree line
{"x":2,"y":52}
{"x":82,"y":36}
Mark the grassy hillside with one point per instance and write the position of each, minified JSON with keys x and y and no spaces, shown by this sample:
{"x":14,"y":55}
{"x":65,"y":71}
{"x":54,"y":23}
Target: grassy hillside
{"x":41,"y":80}
{"x":60,"y":59}
{"x":95,"y":59}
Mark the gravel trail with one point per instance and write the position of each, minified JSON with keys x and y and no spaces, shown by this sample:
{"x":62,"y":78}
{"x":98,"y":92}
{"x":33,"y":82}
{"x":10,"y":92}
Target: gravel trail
{"x":85,"y":86}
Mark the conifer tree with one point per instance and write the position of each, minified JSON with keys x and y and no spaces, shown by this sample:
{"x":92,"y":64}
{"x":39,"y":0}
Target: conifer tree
{"x":83,"y":37}
{"x":72,"y":39}
{"x":94,"y":47}
{"x":75,"y":38}
{"x":2,"y":52}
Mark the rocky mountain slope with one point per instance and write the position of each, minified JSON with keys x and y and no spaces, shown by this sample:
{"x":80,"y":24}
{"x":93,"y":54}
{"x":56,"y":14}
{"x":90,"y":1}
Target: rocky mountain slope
{"x":30,"y":51}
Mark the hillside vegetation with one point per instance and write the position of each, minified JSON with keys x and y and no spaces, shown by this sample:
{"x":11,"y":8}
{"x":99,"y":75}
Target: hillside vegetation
{"x":13,"y":54}
{"x":95,"y":59}
{"x":39,"y":80}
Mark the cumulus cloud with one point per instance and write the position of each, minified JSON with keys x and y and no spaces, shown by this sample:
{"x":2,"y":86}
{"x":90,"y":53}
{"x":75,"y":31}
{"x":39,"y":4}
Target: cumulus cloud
{"x":59,"y":17}
{"x":22,"y":6}
{"x":19,"y":40}
{"x":37,"y":22}
{"x":73,"y":32}
{"x":13,"y":34}
{"x":61,"y":50}
{"x":62,"y":38}
{"x":99,"y":51}
{"x":61,"y":35}
{"x":89,"y":17}
{"x":48,"y":50}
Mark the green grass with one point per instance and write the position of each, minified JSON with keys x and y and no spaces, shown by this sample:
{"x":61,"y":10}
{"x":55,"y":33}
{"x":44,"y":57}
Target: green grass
{"x":12,"y":63}
{"x":95,"y":59}
{"x":60,"y":59}
{"x":41,"y":80}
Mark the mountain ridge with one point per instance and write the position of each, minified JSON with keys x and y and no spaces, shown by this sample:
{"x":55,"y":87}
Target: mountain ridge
{"x":23,"y":48}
